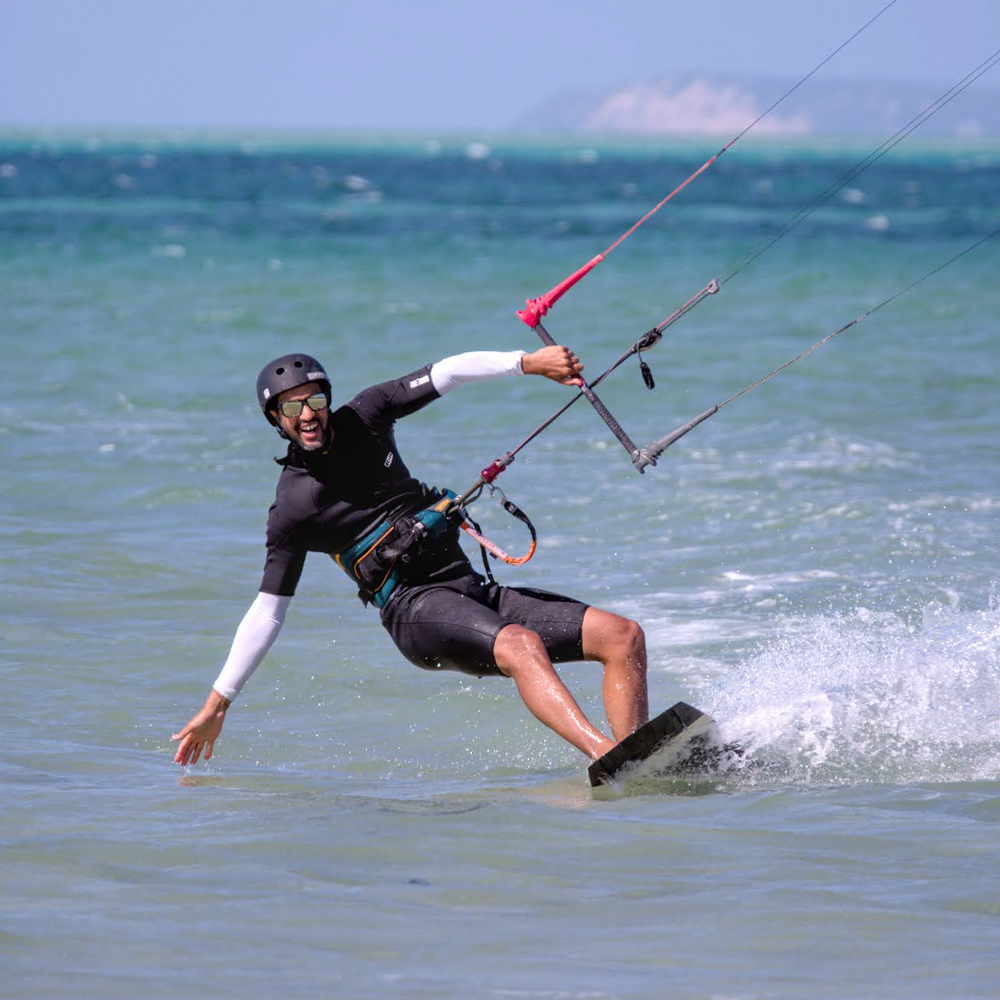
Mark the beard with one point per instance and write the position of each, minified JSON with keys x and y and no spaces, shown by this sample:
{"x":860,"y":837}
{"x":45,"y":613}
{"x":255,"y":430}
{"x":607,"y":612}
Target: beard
{"x":316,"y":440}
{"x":319,"y":442}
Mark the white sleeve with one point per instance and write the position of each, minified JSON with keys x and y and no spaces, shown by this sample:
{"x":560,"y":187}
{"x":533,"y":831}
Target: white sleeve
{"x":474,"y":367}
{"x":258,"y":630}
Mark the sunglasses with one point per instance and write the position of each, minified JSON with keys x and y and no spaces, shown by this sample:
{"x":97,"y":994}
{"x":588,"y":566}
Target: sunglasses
{"x":293,"y":407}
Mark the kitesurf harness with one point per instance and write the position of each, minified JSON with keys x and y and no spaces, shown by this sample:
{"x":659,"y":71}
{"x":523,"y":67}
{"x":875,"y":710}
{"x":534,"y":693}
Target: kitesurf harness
{"x":379,"y":560}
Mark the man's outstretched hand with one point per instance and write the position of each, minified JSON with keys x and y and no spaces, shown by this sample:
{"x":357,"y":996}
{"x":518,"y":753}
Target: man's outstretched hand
{"x":202,"y":731}
{"x":557,"y":363}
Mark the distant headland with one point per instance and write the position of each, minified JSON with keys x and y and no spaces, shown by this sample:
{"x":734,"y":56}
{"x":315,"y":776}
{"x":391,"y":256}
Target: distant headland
{"x":697,"y":103}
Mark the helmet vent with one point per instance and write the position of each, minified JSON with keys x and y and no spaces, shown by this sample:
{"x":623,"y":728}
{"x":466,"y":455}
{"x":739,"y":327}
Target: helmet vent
{"x":298,"y":364}
{"x":279,"y":371}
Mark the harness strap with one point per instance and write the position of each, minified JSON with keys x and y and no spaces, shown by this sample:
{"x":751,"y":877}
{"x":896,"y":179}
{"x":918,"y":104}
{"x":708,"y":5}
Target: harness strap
{"x":493,"y":548}
{"x":482,"y":551}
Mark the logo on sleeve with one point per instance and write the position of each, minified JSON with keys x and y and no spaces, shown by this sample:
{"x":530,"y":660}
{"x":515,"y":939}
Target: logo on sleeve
{"x":420,"y":381}
{"x":388,"y":459}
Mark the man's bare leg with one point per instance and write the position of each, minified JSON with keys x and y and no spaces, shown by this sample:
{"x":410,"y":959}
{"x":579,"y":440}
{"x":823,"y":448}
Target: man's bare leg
{"x":521,"y":654}
{"x":620,"y":644}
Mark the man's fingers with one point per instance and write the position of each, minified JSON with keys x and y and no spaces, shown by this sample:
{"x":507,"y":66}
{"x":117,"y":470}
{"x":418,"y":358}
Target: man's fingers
{"x":558,"y":363}
{"x":194,"y":742}
{"x":186,"y":731}
{"x":575,"y":367}
{"x":184,"y":750}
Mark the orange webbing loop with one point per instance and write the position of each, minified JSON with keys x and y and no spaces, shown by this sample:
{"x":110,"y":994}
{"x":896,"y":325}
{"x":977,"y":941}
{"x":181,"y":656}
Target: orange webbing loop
{"x":495,"y":549}
{"x":473,"y":531}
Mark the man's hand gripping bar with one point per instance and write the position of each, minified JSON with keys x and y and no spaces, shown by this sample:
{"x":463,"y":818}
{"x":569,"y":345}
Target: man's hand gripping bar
{"x":532,"y":315}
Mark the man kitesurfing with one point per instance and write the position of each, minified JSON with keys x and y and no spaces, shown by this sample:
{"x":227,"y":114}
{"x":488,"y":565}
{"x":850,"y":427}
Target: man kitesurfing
{"x":345,"y":491}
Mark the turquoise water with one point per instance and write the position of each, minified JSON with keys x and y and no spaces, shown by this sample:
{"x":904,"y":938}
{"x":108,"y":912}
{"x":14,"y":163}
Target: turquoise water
{"x":815,"y":565}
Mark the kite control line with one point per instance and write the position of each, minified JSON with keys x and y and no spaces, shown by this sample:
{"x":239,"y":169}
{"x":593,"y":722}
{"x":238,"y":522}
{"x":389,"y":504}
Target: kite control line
{"x":535,"y":309}
{"x":655,"y":448}
{"x":641,"y":457}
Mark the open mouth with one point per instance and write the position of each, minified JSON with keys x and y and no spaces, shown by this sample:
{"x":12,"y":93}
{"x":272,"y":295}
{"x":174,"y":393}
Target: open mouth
{"x":310,"y":431}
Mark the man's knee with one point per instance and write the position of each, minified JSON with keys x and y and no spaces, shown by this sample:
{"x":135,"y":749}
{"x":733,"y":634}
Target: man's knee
{"x":518,"y":648}
{"x":613,"y":637}
{"x":632,"y":641}
{"x":625,"y":660}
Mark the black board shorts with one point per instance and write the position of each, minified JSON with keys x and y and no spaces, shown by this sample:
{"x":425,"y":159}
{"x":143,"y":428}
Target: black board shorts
{"x":453,"y":625}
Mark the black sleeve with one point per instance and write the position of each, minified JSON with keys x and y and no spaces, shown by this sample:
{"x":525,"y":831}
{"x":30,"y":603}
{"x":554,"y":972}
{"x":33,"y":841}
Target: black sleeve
{"x":285,"y":557}
{"x":380,"y":406}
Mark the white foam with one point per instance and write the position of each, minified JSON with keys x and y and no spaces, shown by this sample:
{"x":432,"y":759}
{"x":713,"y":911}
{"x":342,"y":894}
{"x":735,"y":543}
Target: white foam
{"x":175,"y":250}
{"x":866,"y":697}
{"x":825,"y":452}
{"x":774,"y":581}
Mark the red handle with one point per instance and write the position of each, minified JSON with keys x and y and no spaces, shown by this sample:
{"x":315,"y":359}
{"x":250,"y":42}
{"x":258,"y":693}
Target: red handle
{"x":535,"y":309}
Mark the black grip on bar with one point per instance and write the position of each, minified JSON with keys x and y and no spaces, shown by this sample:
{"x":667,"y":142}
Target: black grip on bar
{"x":602,"y":411}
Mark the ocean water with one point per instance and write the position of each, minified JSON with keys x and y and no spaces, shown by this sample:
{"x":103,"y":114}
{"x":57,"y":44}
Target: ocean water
{"x":816,"y":566}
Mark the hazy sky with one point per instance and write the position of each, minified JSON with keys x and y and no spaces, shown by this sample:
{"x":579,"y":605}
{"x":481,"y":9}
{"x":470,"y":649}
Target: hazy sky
{"x":425,"y":64}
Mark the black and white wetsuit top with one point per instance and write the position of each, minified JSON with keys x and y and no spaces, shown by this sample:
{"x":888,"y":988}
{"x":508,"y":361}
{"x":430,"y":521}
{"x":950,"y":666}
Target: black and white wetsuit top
{"x":326,"y":500}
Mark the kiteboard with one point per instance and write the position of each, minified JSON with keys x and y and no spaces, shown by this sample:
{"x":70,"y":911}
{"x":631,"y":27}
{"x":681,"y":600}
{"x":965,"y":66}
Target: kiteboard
{"x":681,"y":740}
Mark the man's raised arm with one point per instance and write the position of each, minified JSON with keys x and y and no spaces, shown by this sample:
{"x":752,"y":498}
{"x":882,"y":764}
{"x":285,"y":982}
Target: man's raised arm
{"x":557,"y":363}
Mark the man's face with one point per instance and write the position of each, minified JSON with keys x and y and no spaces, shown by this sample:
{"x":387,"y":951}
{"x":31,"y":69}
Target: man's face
{"x":310,"y":429}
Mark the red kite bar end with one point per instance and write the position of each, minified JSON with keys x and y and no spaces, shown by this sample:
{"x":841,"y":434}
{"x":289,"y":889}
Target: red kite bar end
{"x":535,"y":309}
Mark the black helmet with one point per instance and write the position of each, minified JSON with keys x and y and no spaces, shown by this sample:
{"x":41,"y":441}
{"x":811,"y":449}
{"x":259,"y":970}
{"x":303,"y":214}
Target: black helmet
{"x":288,"y":372}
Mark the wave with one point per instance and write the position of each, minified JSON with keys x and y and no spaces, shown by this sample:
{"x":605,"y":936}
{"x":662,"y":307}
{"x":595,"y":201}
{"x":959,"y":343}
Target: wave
{"x":867,"y":698}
